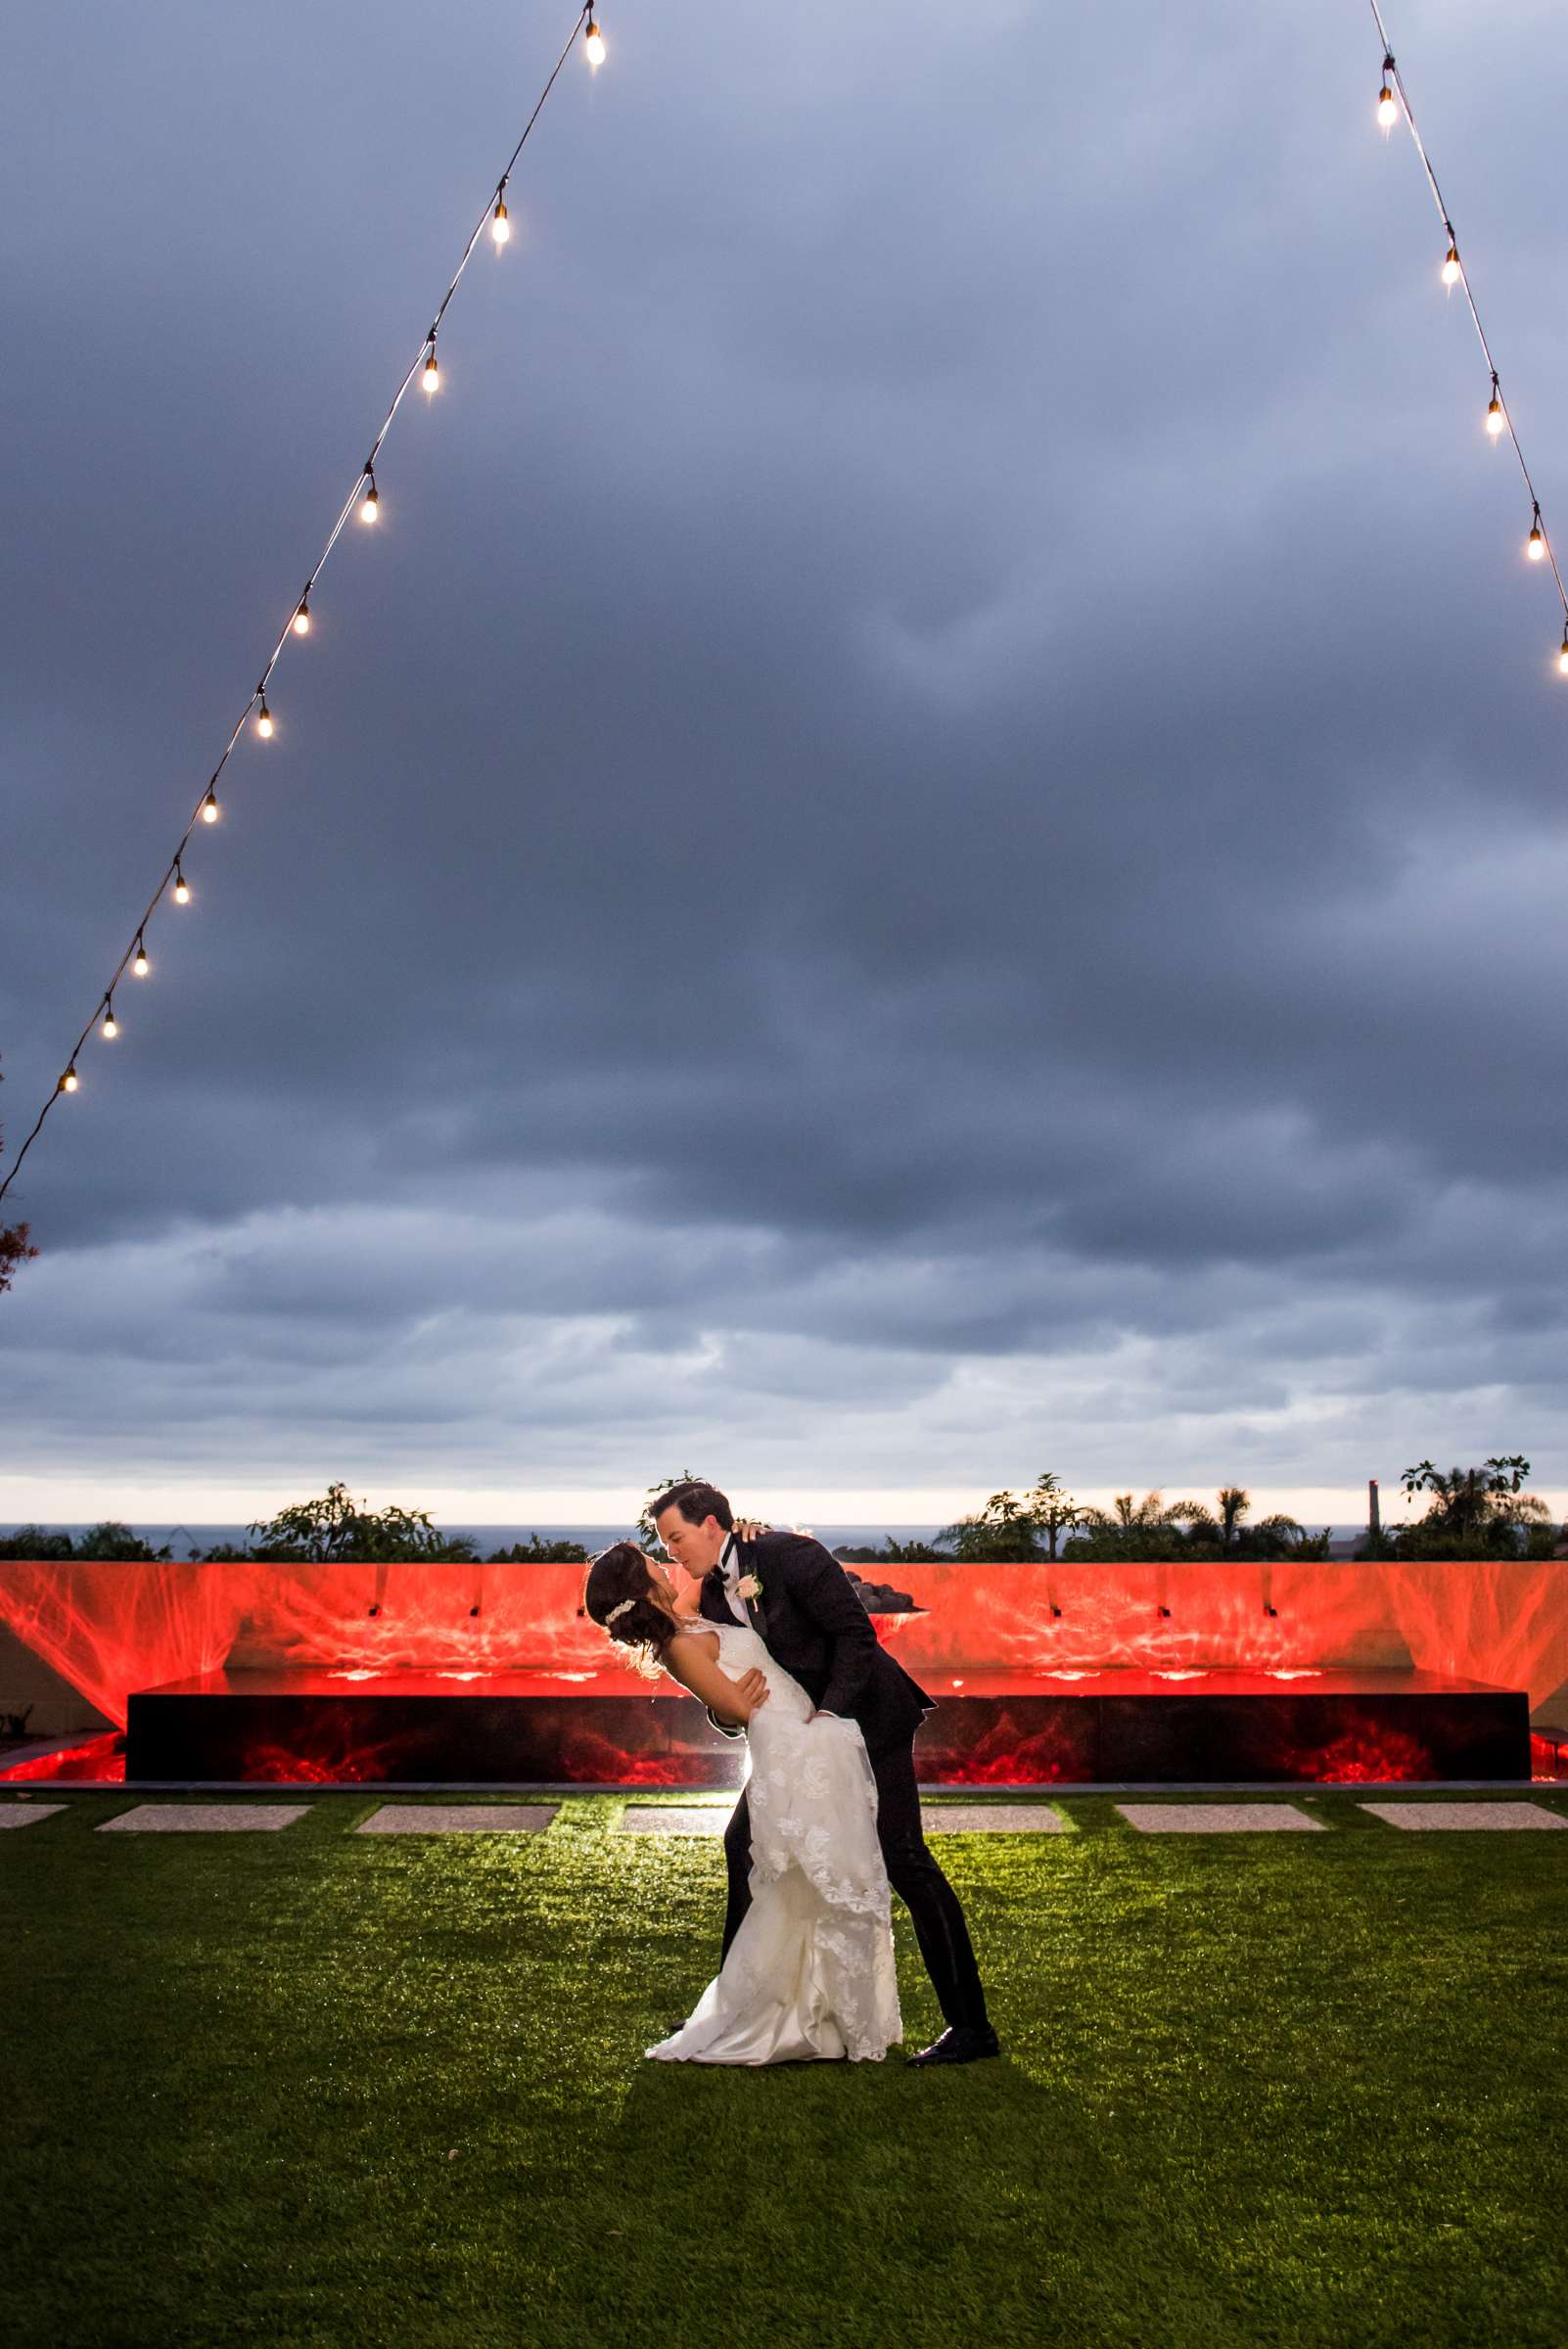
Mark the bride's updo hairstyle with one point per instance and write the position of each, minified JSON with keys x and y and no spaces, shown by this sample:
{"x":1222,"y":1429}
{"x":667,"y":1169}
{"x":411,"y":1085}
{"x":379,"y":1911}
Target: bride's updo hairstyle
{"x":619,"y":1595}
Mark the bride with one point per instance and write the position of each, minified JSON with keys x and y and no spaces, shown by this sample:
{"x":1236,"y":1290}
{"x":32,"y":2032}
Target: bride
{"x":809,"y":1974}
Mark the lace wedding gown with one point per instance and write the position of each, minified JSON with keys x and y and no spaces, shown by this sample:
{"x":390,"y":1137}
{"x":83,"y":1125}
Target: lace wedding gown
{"x":809,"y":1974}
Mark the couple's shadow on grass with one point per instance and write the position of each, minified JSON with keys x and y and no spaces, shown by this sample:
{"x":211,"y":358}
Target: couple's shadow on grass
{"x":995,"y":2116}
{"x":822,"y":2203}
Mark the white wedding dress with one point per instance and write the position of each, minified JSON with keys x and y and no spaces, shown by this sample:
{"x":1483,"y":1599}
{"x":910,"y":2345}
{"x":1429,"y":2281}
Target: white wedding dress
{"x":809,"y":1974}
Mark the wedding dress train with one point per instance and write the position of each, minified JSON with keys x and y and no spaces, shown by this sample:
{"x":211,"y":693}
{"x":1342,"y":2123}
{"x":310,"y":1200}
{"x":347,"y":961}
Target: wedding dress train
{"x":809,"y":1974}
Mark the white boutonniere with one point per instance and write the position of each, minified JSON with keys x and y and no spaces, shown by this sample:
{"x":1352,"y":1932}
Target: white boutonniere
{"x":750,"y":1585}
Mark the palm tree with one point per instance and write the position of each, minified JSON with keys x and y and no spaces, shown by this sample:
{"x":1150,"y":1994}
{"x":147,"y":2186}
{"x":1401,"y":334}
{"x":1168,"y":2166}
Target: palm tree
{"x":1204,"y":1527}
{"x":1289,"y":1535}
{"x":1233,"y":1507}
{"x":1200,"y":1527}
{"x":1127,"y":1516}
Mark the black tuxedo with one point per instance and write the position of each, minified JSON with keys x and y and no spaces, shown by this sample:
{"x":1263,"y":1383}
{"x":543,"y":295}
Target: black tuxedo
{"x":814,"y":1626}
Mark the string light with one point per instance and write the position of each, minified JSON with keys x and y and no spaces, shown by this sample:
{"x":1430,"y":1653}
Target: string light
{"x":363,"y":495}
{"x":1387,"y":110}
{"x":111,"y":1027}
{"x":1537,"y":546}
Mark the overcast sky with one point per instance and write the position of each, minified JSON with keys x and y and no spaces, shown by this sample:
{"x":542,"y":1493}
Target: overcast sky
{"x":929,"y":843}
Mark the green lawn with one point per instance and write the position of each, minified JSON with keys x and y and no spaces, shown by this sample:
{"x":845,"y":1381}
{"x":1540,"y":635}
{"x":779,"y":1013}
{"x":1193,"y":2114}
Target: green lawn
{"x":315,"y":2088}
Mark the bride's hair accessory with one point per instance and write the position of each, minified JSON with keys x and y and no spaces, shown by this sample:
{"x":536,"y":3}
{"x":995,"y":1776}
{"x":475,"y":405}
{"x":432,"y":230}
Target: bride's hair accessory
{"x":623,"y":1599}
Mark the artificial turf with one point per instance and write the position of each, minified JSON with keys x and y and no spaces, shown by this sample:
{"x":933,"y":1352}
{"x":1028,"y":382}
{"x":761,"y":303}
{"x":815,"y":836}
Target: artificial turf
{"x":319,"y":2087}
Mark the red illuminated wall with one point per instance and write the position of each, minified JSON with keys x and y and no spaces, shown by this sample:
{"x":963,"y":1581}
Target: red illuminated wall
{"x":109,"y":1628}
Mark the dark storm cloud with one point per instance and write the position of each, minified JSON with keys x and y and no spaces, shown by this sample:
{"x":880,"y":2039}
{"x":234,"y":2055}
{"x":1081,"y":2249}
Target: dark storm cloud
{"x":943,"y":757}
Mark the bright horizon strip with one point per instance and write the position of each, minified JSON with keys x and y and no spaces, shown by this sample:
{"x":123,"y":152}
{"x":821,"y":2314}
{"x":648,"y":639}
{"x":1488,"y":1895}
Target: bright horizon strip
{"x":74,"y":1501}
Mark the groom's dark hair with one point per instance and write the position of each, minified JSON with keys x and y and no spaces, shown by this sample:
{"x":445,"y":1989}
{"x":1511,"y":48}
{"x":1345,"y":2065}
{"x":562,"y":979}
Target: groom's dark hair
{"x":694,"y":1501}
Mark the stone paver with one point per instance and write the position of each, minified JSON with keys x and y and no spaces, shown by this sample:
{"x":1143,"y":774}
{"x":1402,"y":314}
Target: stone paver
{"x":991,"y":1818}
{"x":1492,"y":1817}
{"x":1217,"y":1818}
{"x":666,"y":1819}
{"x":191,"y":1819}
{"x":458,"y":1818}
{"x":22,"y":1815}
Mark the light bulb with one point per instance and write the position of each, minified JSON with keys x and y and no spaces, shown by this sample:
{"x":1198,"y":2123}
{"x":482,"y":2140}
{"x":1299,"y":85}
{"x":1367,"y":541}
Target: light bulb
{"x":1387,"y":111}
{"x":302,"y":618}
{"x":1494,"y":416}
{"x":111,"y":1024}
{"x":368,"y":503}
{"x":1562,"y":657}
{"x":433,"y":372}
{"x":67,"y":1083}
{"x":141,"y":966}
{"x":1451,"y":264}
{"x":264,"y":726}
{"x":210,"y":807}
{"x":500,"y":226}
{"x":182,"y":888}
{"x":593,"y":44}
{"x":1536,"y":543}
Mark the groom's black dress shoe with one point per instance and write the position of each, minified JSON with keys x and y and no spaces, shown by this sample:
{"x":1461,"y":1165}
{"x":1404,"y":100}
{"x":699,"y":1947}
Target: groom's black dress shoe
{"x":961,"y":2042}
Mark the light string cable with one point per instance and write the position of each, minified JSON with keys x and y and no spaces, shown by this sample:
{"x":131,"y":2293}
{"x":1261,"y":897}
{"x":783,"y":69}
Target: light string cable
{"x":1499,"y":417}
{"x":362,"y":495}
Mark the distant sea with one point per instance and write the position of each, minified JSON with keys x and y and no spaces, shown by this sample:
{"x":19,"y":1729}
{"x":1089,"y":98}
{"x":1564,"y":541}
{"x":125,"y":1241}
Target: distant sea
{"x":194,"y":1540}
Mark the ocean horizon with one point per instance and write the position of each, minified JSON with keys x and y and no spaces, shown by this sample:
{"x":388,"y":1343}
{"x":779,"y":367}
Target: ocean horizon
{"x":187,"y":1541}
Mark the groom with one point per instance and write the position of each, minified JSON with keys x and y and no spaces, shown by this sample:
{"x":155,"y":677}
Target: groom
{"x":798,"y":1600}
